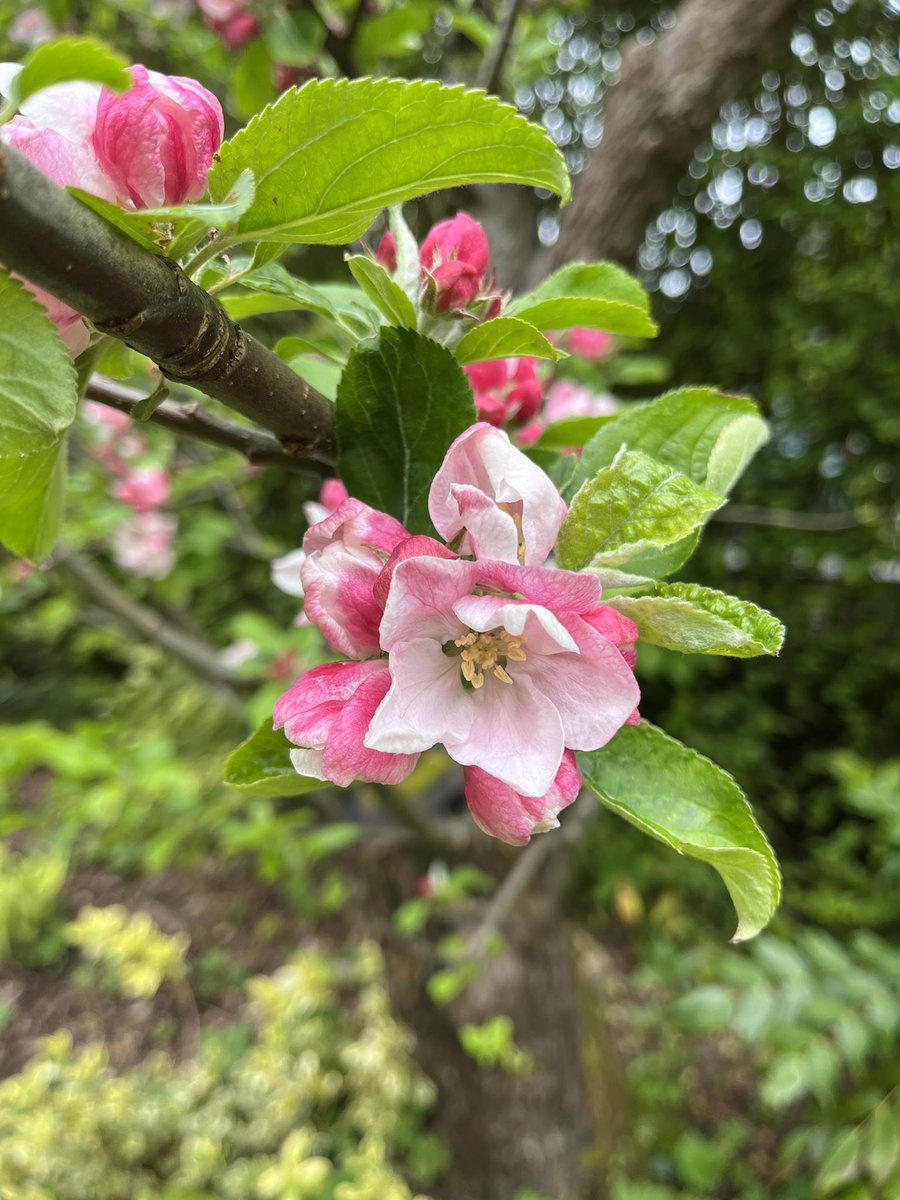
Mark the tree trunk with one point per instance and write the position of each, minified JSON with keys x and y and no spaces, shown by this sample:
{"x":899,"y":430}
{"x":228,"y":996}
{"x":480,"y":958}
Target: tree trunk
{"x":669,"y":93}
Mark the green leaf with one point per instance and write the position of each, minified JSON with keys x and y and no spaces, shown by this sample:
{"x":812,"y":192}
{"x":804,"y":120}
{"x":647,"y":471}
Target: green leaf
{"x":632,"y":506}
{"x":319,"y":374}
{"x":882,"y":1141}
{"x":505,"y":337}
{"x":261,"y":766}
{"x":392,"y":34}
{"x":66,"y":60}
{"x":598,"y":295}
{"x":119,"y":219}
{"x":685,"y":801}
{"x":329,"y":156}
{"x":381,"y":289}
{"x":251,"y":86}
{"x":570,"y":431}
{"x":399,"y":406}
{"x":699,"y":620}
{"x":38,"y":397}
{"x":708,"y":435}
{"x":277,"y":290}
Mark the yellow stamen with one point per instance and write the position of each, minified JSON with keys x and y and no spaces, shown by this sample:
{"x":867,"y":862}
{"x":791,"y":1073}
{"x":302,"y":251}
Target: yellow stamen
{"x":490,"y":652}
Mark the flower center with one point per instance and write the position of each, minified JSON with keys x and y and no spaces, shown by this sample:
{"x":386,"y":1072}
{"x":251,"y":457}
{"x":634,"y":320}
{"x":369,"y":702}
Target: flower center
{"x":488,"y":653}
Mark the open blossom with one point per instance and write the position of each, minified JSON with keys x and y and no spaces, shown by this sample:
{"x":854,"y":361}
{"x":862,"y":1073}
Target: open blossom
{"x":143,"y":545}
{"x":511,"y":667}
{"x":143,"y":489}
{"x":589,"y":343}
{"x":502,"y":503}
{"x":502,"y":665}
{"x":454,"y":257}
{"x":567,"y":399}
{"x":506,"y":389}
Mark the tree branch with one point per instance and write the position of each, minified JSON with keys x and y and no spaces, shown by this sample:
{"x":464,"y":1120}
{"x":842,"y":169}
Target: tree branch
{"x":669,"y":93}
{"x":148,"y":302}
{"x":492,"y":67}
{"x":196,"y":653}
{"x":189,"y":420}
{"x":784,"y":518}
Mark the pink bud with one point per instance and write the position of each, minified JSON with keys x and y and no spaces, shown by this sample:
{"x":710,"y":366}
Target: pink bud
{"x":156,"y":142}
{"x":386,"y":254}
{"x":230,"y":20}
{"x":455,"y":253}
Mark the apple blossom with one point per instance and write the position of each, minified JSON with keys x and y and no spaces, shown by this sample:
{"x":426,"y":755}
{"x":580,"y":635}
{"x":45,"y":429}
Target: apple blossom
{"x":506,"y":389}
{"x":344,"y":557}
{"x":285,"y":571}
{"x":155,"y":142}
{"x":502,"y":503}
{"x":502,"y":664}
{"x":142,"y":546}
{"x":327,"y":713}
{"x":143,"y":489}
{"x":506,"y":814}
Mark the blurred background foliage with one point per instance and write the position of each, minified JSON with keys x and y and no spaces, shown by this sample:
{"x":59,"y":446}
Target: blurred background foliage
{"x":226,"y":1041}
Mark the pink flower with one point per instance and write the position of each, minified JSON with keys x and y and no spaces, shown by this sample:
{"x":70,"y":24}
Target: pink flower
{"x":502,"y":664}
{"x":108,"y":422}
{"x":344,"y":557}
{"x":327,"y":713}
{"x":386,"y":254}
{"x":156,"y":142}
{"x":455,"y":256}
{"x":31,"y":27}
{"x":143,"y":489}
{"x":503,"y":504}
{"x":230,"y":20}
{"x":142,"y":546}
{"x":506,"y":814}
{"x":506,"y":389}
{"x":286,"y":569}
{"x":567,"y":399}
{"x":589,"y":343}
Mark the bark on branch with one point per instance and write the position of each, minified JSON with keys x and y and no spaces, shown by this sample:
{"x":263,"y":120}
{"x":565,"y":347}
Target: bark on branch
{"x":146,"y":301}
{"x":669,"y":93}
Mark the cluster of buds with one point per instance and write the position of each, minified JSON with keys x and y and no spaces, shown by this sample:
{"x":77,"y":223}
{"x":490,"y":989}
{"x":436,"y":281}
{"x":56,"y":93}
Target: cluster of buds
{"x":454,"y":279}
{"x":476,"y":643}
{"x":150,"y":146}
{"x":142,"y":544}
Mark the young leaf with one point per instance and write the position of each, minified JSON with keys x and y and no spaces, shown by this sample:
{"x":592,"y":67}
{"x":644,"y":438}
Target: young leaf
{"x":708,"y":435}
{"x":66,"y":60}
{"x":685,"y":801}
{"x":699,"y":620}
{"x":261,"y":766}
{"x":505,"y":337}
{"x":278,"y":291}
{"x":569,"y":432}
{"x":389,"y":296}
{"x":38,"y":396}
{"x":399,"y":406}
{"x":599,"y":295}
{"x":329,"y":156}
{"x":636,"y":504}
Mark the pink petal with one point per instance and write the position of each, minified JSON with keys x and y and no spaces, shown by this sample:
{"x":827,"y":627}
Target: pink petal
{"x":483,"y":458}
{"x":421,"y":598}
{"x":459,"y":239}
{"x":504,"y":813}
{"x":419,"y":546}
{"x":346,"y":757}
{"x":593,"y":691}
{"x":308,"y":710}
{"x":426,"y":703}
{"x":516,"y":734}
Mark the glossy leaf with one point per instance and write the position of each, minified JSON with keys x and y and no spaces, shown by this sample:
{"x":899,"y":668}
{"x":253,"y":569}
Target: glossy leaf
{"x":261,"y":766}
{"x":598,"y":295}
{"x":685,"y":801}
{"x":329,"y":156}
{"x":634,"y":505}
{"x":505,"y":337}
{"x":399,"y":406}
